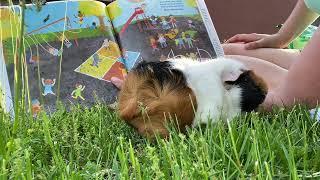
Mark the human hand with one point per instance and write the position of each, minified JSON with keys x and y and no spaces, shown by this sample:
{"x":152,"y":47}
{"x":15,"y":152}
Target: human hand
{"x":255,"y":41}
{"x":117,"y":82}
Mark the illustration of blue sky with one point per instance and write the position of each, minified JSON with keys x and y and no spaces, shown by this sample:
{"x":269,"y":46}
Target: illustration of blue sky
{"x":55,"y":11}
{"x":152,"y":8}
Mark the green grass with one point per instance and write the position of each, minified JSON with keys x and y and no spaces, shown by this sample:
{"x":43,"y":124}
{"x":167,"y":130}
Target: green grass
{"x":94,"y":144}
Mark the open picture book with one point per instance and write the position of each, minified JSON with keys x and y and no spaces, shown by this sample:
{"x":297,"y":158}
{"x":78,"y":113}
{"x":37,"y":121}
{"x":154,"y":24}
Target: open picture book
{"x":72,"y":49}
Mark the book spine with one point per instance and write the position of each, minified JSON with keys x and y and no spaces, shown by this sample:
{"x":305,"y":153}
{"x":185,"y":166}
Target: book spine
{"x":210,"y":28}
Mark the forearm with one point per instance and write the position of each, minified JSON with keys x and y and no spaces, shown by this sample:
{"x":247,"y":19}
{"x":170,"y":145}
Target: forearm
{"x":300,"y":18}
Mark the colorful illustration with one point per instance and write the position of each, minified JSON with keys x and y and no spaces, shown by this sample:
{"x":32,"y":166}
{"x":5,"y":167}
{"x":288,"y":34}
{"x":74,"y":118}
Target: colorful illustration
{"x":130,"y":59}
{"x":159,"y":29}
{"x":48,"y":86}
{"x":68,"y":42}
{"x":154,"y":21}
{"x":36,"y":107}
{"x":102,"y":61}
{"x":59,"y":38}
{"x":162,"y":40}
{"x":165,"y":24}
{"x":77,"y":93}
{"x":117,"y":70}
{"x":173,"y":22}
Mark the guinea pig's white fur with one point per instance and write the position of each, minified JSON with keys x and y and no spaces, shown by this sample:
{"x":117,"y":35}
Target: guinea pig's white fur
{"x":206,"y":80}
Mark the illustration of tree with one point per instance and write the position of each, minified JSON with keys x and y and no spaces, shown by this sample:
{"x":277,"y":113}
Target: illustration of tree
{"x":191,"y":3}
{"x":114,"y":10}
{"x":9,"y":21}
{"x":94,"y":8}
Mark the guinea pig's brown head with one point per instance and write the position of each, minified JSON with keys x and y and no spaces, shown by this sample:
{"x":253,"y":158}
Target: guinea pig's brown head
{"x":152,"y":95}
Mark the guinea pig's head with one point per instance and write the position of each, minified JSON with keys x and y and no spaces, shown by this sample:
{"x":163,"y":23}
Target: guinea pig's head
{"x":251,"y":88}
{"x":155,"y":94}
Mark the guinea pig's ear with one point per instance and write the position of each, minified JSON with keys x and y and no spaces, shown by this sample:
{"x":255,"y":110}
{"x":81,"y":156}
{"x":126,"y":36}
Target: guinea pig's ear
{"x":232,"y":75}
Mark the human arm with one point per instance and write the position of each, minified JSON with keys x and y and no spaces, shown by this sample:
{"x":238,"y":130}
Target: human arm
{"x":296,"y":23}
{"x":300,"y":18}
{"x":299,"y":86}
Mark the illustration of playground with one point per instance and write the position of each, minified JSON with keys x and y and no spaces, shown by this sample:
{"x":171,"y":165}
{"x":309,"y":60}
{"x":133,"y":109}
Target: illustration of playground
{"x":69,"y":55}
{"x":162,"y":34}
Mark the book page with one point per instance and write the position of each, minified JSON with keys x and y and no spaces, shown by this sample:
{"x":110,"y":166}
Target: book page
{"x":70,"y":53}
{"x":9,"y":30}
{"x":157,"y":30}
{"x":6,"y":102}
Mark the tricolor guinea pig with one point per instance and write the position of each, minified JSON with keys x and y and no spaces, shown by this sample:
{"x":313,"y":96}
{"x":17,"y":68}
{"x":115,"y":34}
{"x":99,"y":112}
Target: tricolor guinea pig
{"x":189,"y":92}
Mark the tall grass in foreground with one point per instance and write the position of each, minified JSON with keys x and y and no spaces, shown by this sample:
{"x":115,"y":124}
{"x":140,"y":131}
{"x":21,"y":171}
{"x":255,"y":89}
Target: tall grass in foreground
{"x":95,"y":144}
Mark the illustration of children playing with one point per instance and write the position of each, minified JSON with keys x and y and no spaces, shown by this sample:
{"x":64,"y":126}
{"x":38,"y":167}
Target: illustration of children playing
{"x":189,"y":40}
{"x":165,"y":23}
{"x":124,"y":53}
{"x":54,"y":51}
{"x":77,"y":93}
{"x":80,"y":17}
{"x":162,"y":40}
{"x":123,"y":72}
{"x":48,"y":85}
{"x":93,"y":26}
{"x":173,"y":22}
{"x":172,"y":33}
{"x":191,"y":24}
{"x":154,"y":21}
{"x":33,"y":61}
{"x":66,"y":42}
{"x":36,"y":107}
{"x":183,"y":35}
{"x":106,"y":44}
{"x":96,"y":60}
{"x":180,"y":42}
{"x":153,"y":43}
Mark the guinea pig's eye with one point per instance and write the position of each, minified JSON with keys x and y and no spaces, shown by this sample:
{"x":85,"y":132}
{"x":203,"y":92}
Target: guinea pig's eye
{"x":228,"y":85}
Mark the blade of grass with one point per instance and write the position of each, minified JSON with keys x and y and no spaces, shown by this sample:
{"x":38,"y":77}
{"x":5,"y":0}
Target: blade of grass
{"x":18,"y":71}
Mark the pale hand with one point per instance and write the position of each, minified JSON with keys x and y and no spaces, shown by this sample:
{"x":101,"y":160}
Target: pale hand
{"x":255,"y":41}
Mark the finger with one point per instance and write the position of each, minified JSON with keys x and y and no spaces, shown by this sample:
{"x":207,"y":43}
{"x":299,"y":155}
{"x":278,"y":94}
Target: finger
{"x":243,"y":38}
{"x":234,"y":39}
{"x":254,"y":45}
{"x":117,"y":82}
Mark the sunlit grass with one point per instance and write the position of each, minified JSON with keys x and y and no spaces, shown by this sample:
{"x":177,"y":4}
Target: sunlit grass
{"x":93,"y":143}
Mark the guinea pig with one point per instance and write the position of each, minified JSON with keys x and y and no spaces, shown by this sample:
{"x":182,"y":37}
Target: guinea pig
{"x":189,"y":92}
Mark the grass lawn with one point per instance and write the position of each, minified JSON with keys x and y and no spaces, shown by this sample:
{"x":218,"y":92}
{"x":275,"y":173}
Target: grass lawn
{"x":95,"y":144}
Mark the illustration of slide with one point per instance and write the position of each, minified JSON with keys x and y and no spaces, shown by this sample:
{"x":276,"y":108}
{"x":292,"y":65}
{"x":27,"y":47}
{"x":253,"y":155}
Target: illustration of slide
{"x":138,"y":11}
